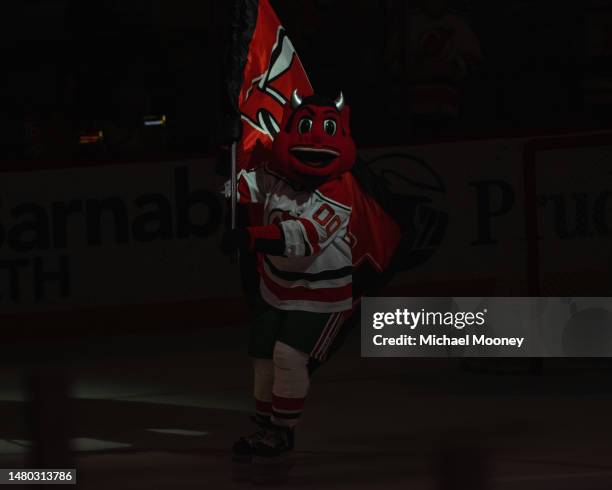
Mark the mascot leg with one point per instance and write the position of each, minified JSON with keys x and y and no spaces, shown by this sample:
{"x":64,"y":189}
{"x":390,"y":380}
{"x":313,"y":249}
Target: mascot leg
{"x":290,"y":387}
{"x":243,"y":449}
{"x":263,"y":370}
{"x":291,"y":383}
{"x":266,"y":324}
{"x":304,"y":338}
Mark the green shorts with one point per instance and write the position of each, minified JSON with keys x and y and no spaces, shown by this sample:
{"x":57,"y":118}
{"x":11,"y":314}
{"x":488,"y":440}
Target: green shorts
{"x":312,"y":333}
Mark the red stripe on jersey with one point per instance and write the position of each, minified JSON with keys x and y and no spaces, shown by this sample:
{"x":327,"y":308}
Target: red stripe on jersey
{"x":311,"y":234}
{"x":244,"y":192}
{"x":333,"y":318}
{"x":327,"y":295}
{"x":281,"y":403}
{"x":327,"y":342}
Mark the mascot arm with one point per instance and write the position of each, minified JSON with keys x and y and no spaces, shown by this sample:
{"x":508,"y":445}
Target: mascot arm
{"x":315,"y":229}
{"x":268,"y":239}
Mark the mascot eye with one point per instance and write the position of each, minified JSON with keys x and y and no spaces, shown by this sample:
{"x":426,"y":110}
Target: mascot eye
{"x":304,"y":125}
{"x":329,"y":126}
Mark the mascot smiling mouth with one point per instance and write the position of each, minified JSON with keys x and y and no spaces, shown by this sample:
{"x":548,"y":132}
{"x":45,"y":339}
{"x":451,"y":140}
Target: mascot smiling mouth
{"x":314,"y":157}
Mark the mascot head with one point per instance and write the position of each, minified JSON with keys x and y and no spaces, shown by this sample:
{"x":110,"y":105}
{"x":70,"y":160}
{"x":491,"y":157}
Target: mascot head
{"x":314,"y":143}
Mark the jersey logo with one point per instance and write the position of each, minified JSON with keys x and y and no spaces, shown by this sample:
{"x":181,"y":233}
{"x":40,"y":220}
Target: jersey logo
{"x":327,"y":218}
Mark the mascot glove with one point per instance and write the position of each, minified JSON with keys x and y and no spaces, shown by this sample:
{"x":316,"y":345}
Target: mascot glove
{"x":227,"y":189}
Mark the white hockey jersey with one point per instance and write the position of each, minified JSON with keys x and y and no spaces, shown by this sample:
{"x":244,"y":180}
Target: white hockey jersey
{"x":315,"y":273}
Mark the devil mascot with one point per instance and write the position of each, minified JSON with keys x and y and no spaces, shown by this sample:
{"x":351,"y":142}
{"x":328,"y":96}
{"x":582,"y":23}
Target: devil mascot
{"x":319,"y":227}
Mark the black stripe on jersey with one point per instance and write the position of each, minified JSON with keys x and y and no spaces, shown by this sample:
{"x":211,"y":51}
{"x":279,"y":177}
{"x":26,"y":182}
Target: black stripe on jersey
{"x":309,"y":276}
{"x":327,"y":199}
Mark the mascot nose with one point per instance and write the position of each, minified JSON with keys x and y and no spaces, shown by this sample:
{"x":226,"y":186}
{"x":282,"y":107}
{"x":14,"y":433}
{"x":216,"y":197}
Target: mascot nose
{"x":315,"y":136}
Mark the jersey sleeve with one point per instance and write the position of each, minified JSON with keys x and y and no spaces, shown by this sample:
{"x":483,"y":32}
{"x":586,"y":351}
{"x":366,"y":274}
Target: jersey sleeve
{"x":252,"y":186}
{"x":316,"y":228}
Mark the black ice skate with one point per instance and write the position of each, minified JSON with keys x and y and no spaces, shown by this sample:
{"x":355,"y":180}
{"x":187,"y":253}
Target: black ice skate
{"x":244,"y":448}
{"x":271,"y":456}
{"x":277,"y":442}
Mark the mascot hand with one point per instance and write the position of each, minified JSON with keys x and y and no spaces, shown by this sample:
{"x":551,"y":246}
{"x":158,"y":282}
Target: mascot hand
{"x":232,"y":240}
{"x":226,"y":191}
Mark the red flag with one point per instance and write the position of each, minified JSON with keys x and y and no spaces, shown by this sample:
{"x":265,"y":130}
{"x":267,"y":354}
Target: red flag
{"x":264,"y":70}
{"x":269,"y":69}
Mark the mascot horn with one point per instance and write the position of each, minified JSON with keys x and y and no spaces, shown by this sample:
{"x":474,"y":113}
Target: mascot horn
{"x":314,"y":144}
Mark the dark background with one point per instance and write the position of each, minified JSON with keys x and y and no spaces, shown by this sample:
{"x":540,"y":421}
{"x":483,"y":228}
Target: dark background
{"x":72,"y":67}
{"x":75,"y":67}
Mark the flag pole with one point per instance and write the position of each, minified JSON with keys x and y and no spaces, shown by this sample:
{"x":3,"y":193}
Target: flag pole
{"x":243,"y":13}
{"x":233,"y":180}
{"x":234,"y":195}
